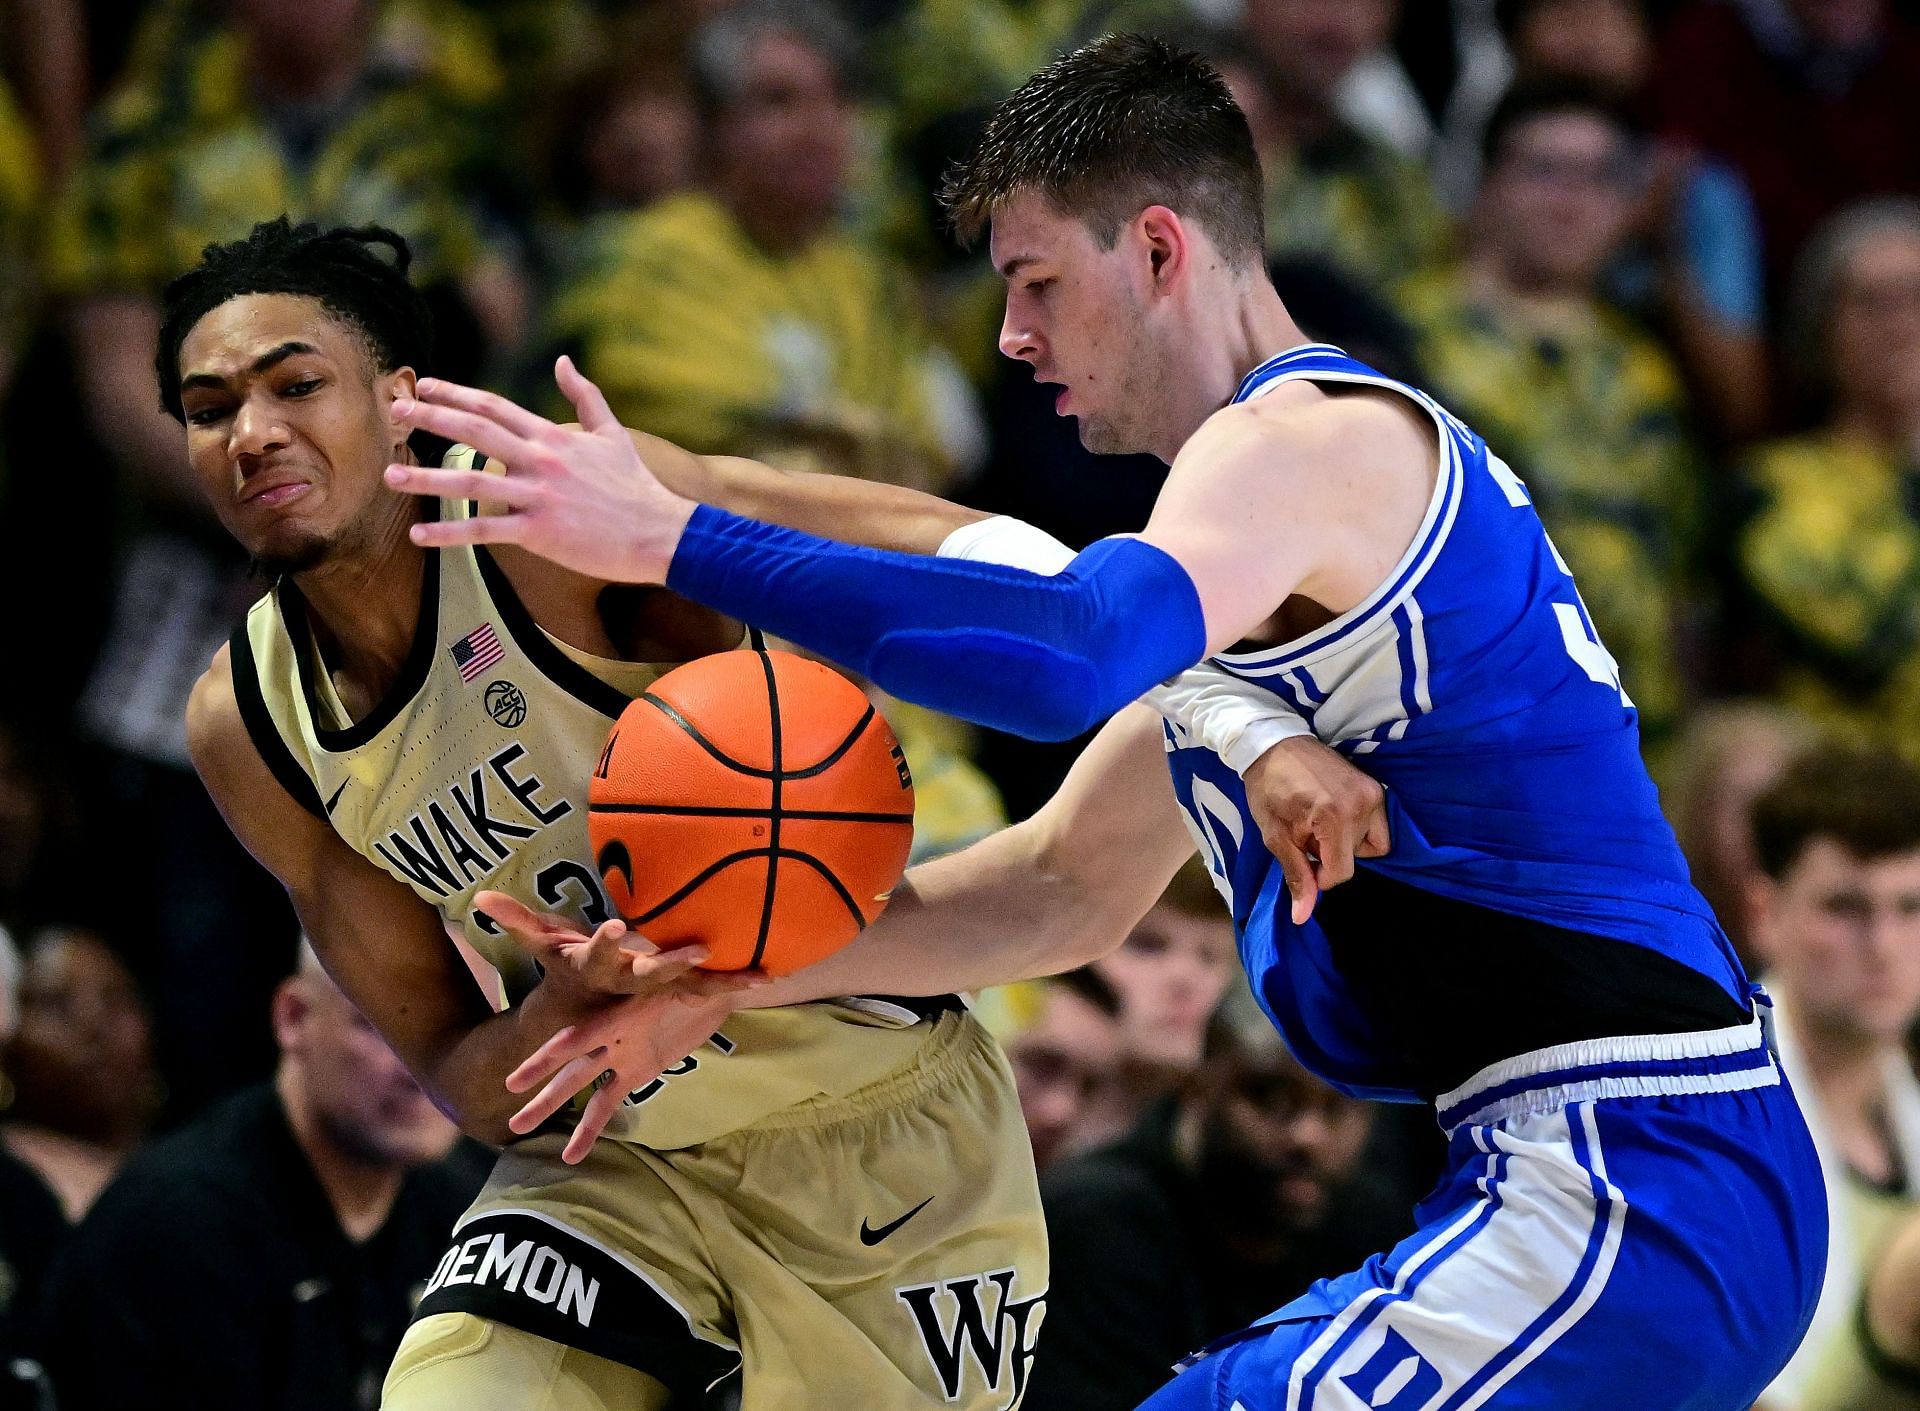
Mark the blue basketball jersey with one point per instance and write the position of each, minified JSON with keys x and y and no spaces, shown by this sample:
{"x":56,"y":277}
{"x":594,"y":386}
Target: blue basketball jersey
{"x":1472,"y":685}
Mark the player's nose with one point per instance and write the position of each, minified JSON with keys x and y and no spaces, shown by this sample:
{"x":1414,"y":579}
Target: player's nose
{"x":1017,"y":340}
{"x":256,"y":430}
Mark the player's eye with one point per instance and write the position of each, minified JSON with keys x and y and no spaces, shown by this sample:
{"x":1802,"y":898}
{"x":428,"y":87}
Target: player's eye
{"x":301,"y":388}
{"x":205,"y":416}
{"x":1039,"y":286}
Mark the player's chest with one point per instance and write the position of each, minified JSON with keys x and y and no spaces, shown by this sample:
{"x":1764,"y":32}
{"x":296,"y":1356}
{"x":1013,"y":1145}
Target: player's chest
{"x":483,"y":789}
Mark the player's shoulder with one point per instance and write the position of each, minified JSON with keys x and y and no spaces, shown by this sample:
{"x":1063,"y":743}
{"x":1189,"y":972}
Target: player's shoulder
{"x":1298,"y":424}
{"x":242,"y":761}
{"x":214,"y":721}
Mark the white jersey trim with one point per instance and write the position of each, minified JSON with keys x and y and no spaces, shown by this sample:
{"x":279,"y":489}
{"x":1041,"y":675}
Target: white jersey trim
{"x":1442,"y":509}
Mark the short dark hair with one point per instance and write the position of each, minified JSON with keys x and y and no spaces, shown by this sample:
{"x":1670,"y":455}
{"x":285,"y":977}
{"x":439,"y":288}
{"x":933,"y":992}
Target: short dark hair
{"x":1102,"y":133}
{"x":1548,"y":95}
{"x":1866,"y":800}
{"x":340,"y":267}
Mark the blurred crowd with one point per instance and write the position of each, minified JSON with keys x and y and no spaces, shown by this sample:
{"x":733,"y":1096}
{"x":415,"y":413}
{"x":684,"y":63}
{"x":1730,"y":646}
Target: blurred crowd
{"x":1664,"y":256}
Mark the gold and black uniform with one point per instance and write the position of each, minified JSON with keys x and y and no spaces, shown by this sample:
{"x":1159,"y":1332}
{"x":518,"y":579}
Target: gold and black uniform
{"x":828,"y":1204}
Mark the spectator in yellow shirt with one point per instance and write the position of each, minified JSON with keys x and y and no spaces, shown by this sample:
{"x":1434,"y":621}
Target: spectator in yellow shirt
{"x":743,"y":318}
{"x":1830,"y":548}
{"x":1586,"y":406}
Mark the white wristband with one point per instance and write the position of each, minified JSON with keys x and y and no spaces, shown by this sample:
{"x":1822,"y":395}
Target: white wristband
{"x":1011,"y":542}
{"x":1235,"y":719}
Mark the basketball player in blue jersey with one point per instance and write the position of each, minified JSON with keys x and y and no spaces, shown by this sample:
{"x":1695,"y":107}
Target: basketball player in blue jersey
{"x":1631,"y":1214}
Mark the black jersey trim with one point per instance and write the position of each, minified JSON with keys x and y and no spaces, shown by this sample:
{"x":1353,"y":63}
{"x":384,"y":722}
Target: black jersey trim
{"x":413,"y":671}
{"x":538,"y":648}
{"x":535,"y":1274}
{"x":264,"y":733}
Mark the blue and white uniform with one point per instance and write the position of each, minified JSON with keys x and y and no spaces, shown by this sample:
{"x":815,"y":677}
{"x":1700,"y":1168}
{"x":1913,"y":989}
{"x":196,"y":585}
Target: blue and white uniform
{"x":1632,"y":1214}
{"x":1630,"y":1218}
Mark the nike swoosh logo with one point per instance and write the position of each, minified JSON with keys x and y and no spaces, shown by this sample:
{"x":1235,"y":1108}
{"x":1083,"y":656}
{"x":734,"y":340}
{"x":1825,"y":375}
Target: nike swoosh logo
{"x":870,"y":1236}
{"x":336,"y":798}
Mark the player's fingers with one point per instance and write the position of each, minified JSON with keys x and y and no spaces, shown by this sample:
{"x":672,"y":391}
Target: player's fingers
{"x":559,"y":1090}
{"x":485,"y":436}
{"x":600,"y":1110}
{"x":1377,"y":841}
{"x":464,"y":485}
{"x":545,"y":1061}
{"x":1298,"y":871}
{"x":1333,"y":843}
{"x":588,"y":401}
{"x":645,"y":974}
{"x":518,"y":919}
{"x":481,"y":529}
{"x":480,"y":402}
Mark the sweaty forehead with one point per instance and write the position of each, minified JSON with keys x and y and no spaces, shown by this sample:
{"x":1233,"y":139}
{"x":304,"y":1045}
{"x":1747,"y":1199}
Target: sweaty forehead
{"x":231,"y":335}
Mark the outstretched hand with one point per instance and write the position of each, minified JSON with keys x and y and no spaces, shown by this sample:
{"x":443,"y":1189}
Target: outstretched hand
{"x":579,"y":495}
{"x":640,"y":1010}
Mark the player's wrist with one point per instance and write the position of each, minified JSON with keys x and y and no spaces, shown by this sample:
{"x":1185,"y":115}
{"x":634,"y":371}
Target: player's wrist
{"x":662,"y":534}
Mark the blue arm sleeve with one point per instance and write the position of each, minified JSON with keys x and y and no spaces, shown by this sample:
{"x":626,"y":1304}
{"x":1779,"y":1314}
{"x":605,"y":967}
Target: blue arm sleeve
{"x":1044,"y":657}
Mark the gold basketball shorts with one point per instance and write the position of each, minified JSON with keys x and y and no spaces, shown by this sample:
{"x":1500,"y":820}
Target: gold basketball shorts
{"x":879,"y":1250}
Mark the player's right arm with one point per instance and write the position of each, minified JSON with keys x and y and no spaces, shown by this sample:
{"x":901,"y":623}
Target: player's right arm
{"x":388,"y":950}
{"x":1044,"y":896}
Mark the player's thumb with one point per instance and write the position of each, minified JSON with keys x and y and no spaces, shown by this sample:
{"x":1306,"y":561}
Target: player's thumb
{"x":589,"y":404}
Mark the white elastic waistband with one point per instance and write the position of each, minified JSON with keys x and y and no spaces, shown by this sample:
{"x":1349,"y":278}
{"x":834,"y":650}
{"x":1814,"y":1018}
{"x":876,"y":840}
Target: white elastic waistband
{"x":1637,"y":1065}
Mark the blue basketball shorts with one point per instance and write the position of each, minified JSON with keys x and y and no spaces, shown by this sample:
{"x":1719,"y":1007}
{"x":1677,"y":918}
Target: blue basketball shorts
{"x":1624,"y":1223}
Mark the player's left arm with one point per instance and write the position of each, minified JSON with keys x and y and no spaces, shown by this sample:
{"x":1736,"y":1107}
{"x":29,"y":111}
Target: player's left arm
{"x":1241,"y":524}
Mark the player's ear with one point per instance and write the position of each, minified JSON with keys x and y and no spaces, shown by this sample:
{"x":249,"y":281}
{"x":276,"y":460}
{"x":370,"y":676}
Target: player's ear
{"x":401,"y":382}
{"x":1168,"y":245}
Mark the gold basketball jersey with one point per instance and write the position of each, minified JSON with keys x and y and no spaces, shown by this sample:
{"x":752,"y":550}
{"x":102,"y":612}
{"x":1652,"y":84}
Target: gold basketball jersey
{"x":472,"y":774}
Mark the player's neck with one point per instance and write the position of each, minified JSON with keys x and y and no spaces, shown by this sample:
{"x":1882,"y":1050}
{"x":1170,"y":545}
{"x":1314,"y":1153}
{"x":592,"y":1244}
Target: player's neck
{"x":1234,"y":334}
{"x":361,"y":1192}
{"x":364,"y":602}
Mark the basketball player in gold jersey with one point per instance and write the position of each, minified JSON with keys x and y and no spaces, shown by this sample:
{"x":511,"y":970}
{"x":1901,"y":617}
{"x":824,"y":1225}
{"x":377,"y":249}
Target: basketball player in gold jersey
{"x":830,"y":1204}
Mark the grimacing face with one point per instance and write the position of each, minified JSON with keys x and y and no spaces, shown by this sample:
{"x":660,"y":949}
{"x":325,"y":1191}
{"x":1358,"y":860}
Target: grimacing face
{"x":1077,"y":314}
{"x":288,"y":429}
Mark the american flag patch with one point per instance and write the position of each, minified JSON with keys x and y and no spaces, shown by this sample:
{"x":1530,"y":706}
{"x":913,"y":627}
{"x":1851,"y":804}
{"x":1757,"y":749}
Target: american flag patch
{"x":476,"y":652}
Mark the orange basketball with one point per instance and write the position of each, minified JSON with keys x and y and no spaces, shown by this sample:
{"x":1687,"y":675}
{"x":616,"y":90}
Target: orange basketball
{"x":755,"y":801}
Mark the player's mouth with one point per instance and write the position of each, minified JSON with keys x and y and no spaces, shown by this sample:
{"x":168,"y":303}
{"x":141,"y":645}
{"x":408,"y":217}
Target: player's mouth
{"x":274,"y":491}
